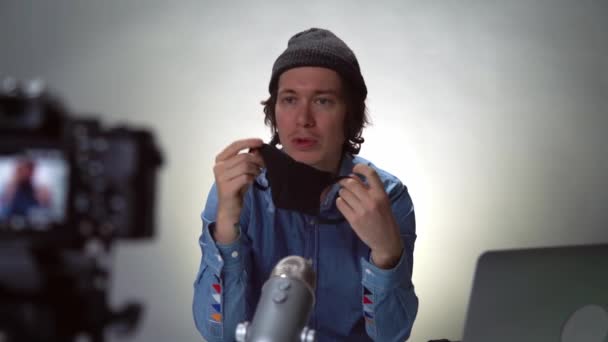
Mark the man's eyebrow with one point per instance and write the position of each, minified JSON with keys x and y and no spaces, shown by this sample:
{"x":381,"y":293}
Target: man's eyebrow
{"x":283,"y":91}
{"x":316,"y":92}
{"x":327,"y":91}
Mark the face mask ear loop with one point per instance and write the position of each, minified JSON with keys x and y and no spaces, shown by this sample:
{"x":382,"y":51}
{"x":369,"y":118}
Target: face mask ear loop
{"x":339,"y":178}
{"x":260,"y":186}
{"x":330,"y":221}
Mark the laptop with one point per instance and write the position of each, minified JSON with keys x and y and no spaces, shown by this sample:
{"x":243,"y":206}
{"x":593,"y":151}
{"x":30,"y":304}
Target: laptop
{"x":557,"y":294}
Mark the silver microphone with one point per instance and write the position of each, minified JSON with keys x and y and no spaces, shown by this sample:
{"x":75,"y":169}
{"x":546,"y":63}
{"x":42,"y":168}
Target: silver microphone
{"x":285,"y":304}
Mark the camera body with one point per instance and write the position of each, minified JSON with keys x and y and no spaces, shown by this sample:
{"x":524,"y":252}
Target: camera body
{"x":69,"y":188}
{"x":85,"y":181}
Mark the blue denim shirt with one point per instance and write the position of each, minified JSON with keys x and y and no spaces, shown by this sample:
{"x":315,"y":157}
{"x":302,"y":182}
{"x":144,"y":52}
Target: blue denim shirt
{"x":355,"y":300}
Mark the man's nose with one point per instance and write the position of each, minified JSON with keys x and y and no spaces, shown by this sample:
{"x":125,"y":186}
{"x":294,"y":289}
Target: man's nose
{"x":305,"y":117}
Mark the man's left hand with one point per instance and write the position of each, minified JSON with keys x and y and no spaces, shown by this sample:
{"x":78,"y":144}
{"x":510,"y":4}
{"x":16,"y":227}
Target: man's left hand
{"x":368,"y":210}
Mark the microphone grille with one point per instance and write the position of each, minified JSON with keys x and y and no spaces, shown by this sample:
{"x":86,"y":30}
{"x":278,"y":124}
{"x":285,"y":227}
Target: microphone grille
{"x":296,"y":267}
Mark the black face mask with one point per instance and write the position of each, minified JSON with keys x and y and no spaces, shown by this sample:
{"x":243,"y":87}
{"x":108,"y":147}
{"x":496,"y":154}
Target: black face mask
{"x":295,"y":185}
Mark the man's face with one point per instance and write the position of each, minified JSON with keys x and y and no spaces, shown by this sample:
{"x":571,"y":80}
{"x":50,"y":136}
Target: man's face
{"x":310,"y":113}
{"x":24,"y":171}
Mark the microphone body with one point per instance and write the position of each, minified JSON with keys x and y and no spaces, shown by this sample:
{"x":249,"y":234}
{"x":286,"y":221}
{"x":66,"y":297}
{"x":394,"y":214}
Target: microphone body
{"x":285,"y":305}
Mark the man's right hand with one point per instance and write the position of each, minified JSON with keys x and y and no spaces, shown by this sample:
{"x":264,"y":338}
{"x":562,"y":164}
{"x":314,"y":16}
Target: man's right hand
{"x":234,"y":172}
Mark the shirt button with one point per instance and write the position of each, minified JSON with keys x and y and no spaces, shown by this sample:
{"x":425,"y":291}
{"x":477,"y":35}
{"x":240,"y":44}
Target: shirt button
{"x":368,"y":271}
{"x":218,"y":257}
{"x":235,"y":254}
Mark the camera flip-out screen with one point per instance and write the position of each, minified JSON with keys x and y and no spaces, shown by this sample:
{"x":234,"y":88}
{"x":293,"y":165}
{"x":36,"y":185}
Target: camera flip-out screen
{"x":34,"y":185}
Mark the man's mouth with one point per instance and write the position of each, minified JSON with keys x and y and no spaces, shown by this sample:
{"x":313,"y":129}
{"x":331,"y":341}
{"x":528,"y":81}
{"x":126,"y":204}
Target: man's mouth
{"x":304,"y":143}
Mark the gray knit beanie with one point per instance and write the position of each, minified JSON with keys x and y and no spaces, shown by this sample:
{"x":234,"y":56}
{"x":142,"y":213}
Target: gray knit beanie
{"x":319,"y":47}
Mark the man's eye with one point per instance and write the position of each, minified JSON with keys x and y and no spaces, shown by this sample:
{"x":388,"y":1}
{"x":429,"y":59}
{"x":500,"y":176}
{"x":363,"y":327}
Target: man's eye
{"x":324,"y":101}
{"x":288,"y":99}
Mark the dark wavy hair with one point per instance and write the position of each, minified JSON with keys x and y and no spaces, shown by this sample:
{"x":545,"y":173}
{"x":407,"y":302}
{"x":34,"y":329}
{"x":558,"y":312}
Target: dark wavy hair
{"x":355,"y":120}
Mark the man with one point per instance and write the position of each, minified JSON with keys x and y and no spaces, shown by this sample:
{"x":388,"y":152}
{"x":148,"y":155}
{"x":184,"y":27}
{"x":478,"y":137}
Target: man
{"x":21,"y":195}
{"x":363,"y":262}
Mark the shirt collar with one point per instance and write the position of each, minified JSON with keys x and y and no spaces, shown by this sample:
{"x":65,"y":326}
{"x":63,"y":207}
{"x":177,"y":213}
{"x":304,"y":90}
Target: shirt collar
{"x":346,"y":168}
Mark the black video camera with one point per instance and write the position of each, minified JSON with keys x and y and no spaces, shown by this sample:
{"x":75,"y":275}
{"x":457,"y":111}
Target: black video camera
{"x":68,"y":189}
{"x":65,"y":179}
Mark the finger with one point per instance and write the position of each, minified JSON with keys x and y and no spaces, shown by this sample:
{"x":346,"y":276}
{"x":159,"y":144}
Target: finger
{"x":239,"y":169}
{"x":370,"y":174}
{"x":355,"y":186}
{"x":351,"y":199}
{"x":345,"y":209}
{"x":258,"y":156}
{"x":243,"y":181}
{"x":237,"y":146}
{"x":243,"y":158}
{"x":239,"y":184}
